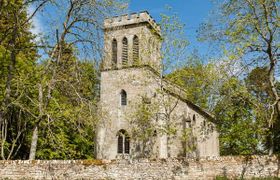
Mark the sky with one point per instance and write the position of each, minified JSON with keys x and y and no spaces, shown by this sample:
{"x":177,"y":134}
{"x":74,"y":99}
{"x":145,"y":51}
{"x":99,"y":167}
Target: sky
{"x":191,"y":12}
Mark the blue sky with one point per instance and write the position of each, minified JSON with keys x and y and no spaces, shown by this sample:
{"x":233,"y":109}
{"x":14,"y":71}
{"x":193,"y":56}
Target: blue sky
{"x":191,"y":12}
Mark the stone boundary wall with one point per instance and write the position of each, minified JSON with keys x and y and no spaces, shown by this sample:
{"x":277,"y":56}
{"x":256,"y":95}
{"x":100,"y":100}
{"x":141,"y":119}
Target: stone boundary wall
{"x":209,"y":168}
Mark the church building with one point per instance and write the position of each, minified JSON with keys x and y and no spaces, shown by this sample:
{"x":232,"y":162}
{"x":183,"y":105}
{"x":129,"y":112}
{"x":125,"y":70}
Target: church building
{"x":142,"y":114}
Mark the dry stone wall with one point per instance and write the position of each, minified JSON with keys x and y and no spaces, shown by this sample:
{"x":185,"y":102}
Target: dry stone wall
{"x":255,"y":166}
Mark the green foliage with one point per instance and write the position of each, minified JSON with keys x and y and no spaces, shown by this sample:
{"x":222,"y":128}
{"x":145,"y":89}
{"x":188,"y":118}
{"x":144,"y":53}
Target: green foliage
{"x":18,"y":69}
{"x":221,"y":178}
{"x":198,"y":81}
{"x":238,"y":127}
{"x":57,"y":95}
{"x":248,"y":32}
{"x":66,"y":114}
{"x":68,"y":129}
{"x":174,"y":42}
{"x":144,"y":128}
{"x":257,"y":82}
{"x":266,"y":178}
{"x":240,"y":117}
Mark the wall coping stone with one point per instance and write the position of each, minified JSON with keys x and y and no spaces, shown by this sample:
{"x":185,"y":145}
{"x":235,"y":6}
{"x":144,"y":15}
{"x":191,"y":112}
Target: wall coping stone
{"x":273,"y":158}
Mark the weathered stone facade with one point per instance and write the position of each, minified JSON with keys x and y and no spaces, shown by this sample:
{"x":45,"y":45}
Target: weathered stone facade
{"x":232,"y":167}
{"x":176,"y":128}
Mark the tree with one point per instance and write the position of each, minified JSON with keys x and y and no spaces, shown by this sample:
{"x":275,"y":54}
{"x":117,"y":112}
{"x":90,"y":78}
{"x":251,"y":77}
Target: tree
{"x":18,"y":76}
{"x":144,"y":127}
{"x":199,"y":81}
{"x":257,"y":83}
{"x":249,"y":31}
{"x":174,"y":43}
{"x":234,"y":102}
{"x":78,"y":29}
{"x":71,"y":111}
{"x":53,"y":96}
{"x":234,"y":112}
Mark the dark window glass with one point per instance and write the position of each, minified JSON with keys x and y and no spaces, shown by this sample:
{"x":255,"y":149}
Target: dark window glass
{"x":123,"y":142}
{"x":123,"y":98}
{"x":126,"y":145}
{"x":120,"y":144}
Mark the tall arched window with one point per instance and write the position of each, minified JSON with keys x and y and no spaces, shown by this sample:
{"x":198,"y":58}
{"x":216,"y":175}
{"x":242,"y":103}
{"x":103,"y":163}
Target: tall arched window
{"x":123,"y":142}
{"x":114,"y":53}
{"x":123,"y":98}
{"x":124,"y":51}
{"x":135,"y":49}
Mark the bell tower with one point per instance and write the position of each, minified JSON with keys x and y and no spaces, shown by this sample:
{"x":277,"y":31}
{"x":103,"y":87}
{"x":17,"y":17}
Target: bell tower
{"x":131,"y":40}
{"x":131,"y":43}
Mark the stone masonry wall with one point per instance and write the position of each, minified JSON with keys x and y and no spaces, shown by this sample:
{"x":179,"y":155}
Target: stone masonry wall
{"x":255,"y":166}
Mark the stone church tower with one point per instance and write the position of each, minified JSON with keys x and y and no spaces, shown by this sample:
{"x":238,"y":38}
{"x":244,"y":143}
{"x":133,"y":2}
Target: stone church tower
{"x":131,"y":41}
{"x":130,"y":80}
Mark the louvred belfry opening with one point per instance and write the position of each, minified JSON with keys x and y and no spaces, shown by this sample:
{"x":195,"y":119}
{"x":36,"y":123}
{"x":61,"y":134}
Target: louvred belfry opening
{"x":114,"y":53}
{"x":124,"y":52}
{"x":135,"y":49}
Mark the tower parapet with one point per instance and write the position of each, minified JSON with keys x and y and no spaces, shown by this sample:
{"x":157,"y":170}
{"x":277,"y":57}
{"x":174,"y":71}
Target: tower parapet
{"x":131,"y":19}
{"x":130,"y":41}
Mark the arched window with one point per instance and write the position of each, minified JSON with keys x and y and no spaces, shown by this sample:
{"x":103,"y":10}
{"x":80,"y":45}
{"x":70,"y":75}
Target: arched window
{"x":124,"y":51}
{"x":123,"y":98}
{"x":114,"y":52}
{"x":123,"y":142}
{"x":135,"y":49}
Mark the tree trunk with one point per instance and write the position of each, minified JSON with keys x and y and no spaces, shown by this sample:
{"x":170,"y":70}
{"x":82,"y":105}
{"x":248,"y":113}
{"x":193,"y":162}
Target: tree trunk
{"x":33,"y":147}
{"x":273,"y":87}
{"x":272,"y":83}
{"x":34,"y":143}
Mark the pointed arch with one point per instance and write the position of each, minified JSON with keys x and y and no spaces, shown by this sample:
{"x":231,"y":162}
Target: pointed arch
{"x":124,"y":51}
{"x":114,"y":53}
{"x":123,"y":142}
{"x":123,"y":98}
{"x":135,"y":48}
